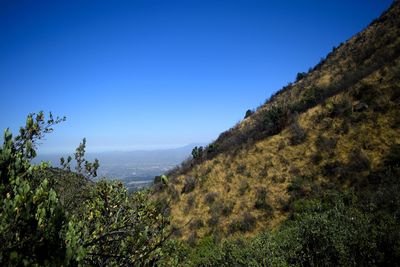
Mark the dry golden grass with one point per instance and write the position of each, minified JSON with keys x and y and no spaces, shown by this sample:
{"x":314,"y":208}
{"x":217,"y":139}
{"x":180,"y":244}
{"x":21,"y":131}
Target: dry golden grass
{"x":273,"y":162}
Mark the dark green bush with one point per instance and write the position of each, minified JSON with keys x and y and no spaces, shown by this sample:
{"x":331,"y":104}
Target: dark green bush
{"x":241,"y":169}
{"x":210,"y":197}
{"x":297,"y":134}
{"x":249,"y":112}
{"x":196,"y":224}
{"x":300,"y":75}
{"x":342,"y":108}
{"x":245,"y":224}
{"x":358,"y":161}
{"x":213,"y":220}
{"x":393,"y":157}
{"x":189,"y":204}
{"x":197,"y":152}
{"x":332,"y":168}
{"x":325,"y":144}
{"x":274,"y":120}
{"x":261,"y":194}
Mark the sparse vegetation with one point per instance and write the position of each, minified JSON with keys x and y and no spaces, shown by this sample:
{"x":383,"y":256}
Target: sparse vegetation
{"x":297,"y":133}
{"x":243,"y":187}
{"x":190,"y":184}
{"x":244,"y":224}
{"x":210,"y":197}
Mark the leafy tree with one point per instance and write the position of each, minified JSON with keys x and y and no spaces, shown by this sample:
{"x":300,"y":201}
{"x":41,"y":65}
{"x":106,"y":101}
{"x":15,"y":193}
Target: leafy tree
{"x":118,"y":229}
{"x":108,"y":227}
{"x":197,"y":152}
{"x":300,"y":76}
{"x":83,"y":166}
{"x":32,"y":222}
{"x":249,"y":112}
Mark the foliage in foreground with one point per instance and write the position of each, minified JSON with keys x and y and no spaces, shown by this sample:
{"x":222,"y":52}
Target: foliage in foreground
{"x":37,"y":228}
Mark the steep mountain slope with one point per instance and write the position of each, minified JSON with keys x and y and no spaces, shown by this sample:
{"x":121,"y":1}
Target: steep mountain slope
{"x":332,"y":128}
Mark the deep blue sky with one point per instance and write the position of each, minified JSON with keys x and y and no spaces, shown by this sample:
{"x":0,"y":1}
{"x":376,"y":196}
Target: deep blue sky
{"x":151,"y":74}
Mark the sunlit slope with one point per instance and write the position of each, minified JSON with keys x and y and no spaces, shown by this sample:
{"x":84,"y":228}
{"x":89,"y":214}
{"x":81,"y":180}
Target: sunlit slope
{"x":331,"y":128}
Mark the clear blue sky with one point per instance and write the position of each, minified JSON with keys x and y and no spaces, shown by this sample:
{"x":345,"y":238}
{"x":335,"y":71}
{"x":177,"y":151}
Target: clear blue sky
{"x":151,"y":74}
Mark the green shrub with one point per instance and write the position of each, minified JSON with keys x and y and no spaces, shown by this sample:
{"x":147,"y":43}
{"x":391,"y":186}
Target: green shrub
{"x":245,"y":224}
{"x":274,"y":120}
{"x":33,"y":226}
{"x":300,"y":76}
{"x":249,"y":112}
{"x":206,"y":253}
{"x":197,"y":152}
{"x":261,"y":194}
{"x":108,"y":227}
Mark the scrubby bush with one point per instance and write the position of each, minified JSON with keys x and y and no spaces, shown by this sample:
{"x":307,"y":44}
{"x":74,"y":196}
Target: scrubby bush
{"x":358,"y":161}
{"x":249,"y":112}
{"x":332,"y":168}
{"x":240,"y":169}
{"x":189,"y":185}
{"x":274,"y":120}
{"x":342,"y":108}
{"x":222,"y":208}
{"x":244,"y":224}
{"x":173,"y":193}
{"x":261,"y":202}
{"x":311,"y":97}
{"x":243,"y":187}
{"x":210,"y":197}
{"x":227,"y":208}
{"x":189,"y":204}
{"x":300,"y":76}
{"x":196,"y":224}
{"x":197,"y":152}
{"x":297,"y":134}
{"x":325,"y":143}
{"x":213,"y":220}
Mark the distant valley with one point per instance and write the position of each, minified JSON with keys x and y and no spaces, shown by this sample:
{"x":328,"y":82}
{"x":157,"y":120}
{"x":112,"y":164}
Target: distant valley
{"x":136,"y":169}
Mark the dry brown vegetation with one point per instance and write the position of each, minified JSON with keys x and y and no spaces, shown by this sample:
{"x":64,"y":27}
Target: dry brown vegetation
{"x":338,"y":120}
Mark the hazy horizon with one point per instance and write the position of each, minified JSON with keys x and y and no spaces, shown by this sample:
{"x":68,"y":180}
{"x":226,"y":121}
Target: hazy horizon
{"x":122,"y":149}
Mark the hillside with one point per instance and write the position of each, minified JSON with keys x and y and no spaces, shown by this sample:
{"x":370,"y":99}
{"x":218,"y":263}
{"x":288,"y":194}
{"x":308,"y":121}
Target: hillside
{"x":331,"y":129}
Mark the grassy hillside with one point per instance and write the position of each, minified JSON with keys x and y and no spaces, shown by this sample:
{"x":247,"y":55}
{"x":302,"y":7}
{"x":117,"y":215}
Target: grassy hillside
{"x":331,"y":129}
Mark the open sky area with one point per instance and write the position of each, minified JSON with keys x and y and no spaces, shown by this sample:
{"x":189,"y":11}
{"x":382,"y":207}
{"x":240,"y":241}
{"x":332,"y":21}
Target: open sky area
{"x":157,"y":74}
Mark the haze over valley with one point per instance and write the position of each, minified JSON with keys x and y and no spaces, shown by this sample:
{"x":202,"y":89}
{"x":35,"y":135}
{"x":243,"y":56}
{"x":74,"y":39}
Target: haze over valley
{"x":136,"y":169}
